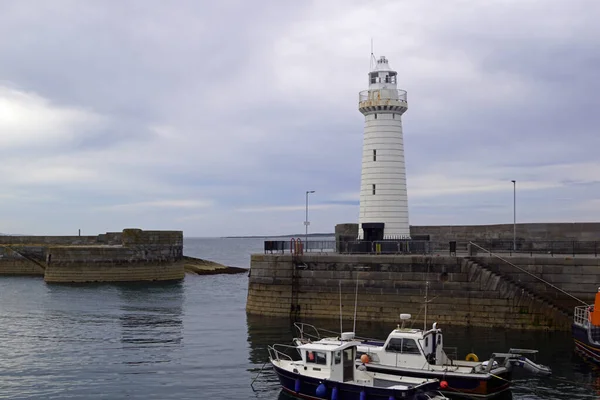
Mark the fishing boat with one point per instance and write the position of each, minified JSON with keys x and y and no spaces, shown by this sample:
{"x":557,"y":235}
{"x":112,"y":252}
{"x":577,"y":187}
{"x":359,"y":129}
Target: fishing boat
{"x":418,"y":353}
{"x":326,"y":370}
{"x":586,"y":330}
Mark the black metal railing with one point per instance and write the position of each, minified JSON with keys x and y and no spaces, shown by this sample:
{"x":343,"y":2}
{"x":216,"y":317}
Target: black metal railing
{"x":540,"y":247}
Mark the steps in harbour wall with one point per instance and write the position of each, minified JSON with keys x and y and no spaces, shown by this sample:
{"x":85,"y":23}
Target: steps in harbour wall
{"x":579,"y":276}
{"x":463,"y":292}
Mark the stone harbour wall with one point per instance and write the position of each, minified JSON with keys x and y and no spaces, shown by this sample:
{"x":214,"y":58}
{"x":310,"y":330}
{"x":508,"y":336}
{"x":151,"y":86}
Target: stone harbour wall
{"x":579,"y":231}
{"x":582,"y":231}
{"x":131,"y":255}
{"x":463,"y":291}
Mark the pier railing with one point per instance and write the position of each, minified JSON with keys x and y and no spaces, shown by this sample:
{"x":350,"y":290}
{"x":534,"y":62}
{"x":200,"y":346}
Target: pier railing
{"x":572,"y":248}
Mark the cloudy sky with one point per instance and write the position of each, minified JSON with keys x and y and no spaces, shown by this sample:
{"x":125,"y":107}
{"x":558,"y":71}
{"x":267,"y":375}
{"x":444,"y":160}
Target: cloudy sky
{"x":215,"y":117}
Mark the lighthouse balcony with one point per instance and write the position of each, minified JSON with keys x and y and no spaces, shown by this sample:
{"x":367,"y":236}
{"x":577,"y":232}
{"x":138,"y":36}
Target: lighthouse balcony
{"x":382,"y":100}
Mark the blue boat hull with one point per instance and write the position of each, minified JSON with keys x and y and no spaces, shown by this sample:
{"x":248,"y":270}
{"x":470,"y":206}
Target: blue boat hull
{"x":583,"y":346}
{"x":304,"y":387}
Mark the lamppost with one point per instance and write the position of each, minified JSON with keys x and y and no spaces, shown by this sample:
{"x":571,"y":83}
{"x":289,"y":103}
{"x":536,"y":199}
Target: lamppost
{"x":306,"y":223}
{"x":514,"y":215}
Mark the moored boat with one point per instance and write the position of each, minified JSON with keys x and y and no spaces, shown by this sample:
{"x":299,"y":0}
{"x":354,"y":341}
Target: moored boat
{"x":417,"y":353}
{"x":328,"y":371}
{"x":586,"y":330}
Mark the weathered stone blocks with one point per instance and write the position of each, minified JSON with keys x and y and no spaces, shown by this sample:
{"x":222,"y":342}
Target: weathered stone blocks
{"x":387,"y":285}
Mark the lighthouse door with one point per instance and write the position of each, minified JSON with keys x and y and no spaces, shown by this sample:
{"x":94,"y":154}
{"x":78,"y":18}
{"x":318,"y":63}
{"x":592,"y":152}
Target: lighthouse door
{"x":373,"y":231}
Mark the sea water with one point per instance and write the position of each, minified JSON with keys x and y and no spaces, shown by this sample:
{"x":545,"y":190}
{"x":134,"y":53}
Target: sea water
{"x":193,"y":339}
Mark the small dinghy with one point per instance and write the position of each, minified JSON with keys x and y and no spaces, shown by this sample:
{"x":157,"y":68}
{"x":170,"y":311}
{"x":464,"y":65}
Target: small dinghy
{"x":325,"y":370}
{"x":586,"y":330}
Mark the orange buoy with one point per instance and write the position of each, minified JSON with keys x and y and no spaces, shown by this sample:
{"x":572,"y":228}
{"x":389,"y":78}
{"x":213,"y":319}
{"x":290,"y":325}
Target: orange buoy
{"x":444,"y":384}
{"x":365,"y":359}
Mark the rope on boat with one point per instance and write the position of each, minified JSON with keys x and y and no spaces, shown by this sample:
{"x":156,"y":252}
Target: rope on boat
{"x":257,"y":375}
{"x":499,"y":377}
{"x":528,"y":273}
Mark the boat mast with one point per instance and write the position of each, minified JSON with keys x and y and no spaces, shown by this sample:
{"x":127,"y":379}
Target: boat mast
{"x":355,"y":302}
{"x":425,"y":320}
{"x":341,"y":328}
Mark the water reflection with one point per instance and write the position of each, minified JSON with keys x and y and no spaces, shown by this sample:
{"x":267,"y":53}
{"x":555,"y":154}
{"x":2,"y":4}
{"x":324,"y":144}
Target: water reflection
{"x":265,"y":331}
{"x":151,"y":322}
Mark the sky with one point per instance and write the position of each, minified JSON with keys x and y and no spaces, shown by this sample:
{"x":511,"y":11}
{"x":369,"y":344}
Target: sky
{"x":215,"y":118}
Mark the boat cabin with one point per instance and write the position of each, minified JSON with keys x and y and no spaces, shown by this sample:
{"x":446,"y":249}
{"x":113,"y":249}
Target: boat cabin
{"x":329,"y":360}
{"x":412,"y":348}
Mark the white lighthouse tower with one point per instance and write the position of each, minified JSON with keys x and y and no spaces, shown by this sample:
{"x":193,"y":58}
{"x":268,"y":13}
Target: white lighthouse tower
{"x":383,"y":197}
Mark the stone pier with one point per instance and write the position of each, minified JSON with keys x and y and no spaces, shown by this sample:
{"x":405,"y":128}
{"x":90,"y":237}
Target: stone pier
{"x":463,"y":290}
{"x":132,"y":255}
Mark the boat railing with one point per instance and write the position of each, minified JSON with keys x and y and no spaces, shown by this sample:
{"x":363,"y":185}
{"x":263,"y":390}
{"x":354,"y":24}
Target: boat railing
{"x":278,"y":351}
{"x":312,"y":334}
{"x":318,"y":334}
{"x":581,"y":316}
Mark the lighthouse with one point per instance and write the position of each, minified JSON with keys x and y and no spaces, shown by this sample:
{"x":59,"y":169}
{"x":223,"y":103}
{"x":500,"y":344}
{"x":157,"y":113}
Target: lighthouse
{"x":383,"y":196}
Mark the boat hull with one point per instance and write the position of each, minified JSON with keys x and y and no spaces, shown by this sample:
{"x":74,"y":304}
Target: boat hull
{"x":475,"y":385}
{"x":583,"y":346}
{"x":307,"y":386}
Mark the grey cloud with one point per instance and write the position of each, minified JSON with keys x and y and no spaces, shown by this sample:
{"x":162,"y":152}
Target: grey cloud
{"x":258,"y":102}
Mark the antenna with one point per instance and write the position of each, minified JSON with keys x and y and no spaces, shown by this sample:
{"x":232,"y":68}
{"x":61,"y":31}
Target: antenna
{"x":372,"y":57}
{"x":355,"y":301}
{"x":341,"y":328}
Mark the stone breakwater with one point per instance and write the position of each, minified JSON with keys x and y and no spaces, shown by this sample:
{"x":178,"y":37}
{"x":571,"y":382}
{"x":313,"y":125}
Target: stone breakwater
{"x":463,"y":291}
{"x":206,"y":267}
{"x":132,"y":255}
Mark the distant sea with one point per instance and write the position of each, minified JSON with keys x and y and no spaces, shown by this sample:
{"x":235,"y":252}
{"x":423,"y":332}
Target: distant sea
{"x":193,"y":339}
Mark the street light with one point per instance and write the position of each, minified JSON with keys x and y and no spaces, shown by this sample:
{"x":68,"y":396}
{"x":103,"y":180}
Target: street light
{"x":306,"y":223}
{"x":514,"y":215}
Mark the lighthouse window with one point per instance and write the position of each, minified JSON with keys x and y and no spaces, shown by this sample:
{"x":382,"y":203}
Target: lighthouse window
{"x":374,"y":155}
{"x":373,"y":188}
{"x":393,"y":116}
{"x":375,"y":116}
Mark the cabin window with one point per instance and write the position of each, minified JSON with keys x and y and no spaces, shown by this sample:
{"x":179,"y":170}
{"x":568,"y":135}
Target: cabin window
{"x":395,"y":346}
{"x":317,"y":357}
{"x":374,"y":155}
{"x":404,"y":346}
{"x":337,"y":357}
{"x":409,"y":346}
{"x":373,"y":188}
{"x":348,"y":354}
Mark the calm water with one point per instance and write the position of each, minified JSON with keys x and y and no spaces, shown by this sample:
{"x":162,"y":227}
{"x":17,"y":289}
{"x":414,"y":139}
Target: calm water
{"x":193,"y":340}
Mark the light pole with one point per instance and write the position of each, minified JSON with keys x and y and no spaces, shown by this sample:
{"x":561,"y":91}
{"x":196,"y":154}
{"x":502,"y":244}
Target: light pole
{"x":514,"y":215}
{"x":306,"y":223}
